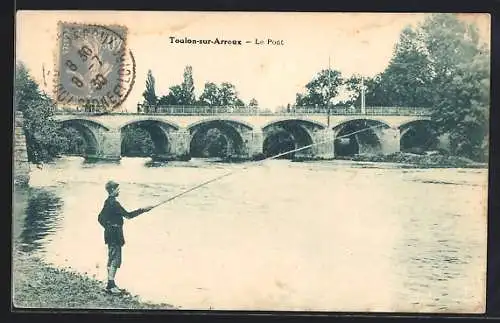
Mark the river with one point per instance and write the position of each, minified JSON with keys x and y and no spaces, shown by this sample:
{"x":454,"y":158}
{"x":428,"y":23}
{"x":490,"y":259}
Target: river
{"x":334,"y":236}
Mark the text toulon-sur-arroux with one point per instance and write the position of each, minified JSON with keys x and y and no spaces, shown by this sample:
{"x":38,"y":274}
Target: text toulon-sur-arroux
{"x":220,"y":41}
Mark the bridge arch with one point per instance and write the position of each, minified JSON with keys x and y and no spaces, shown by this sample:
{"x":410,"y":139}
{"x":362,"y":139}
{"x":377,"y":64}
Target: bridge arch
{"x":288,"y":134}
{"x":92,"y":133}
{"x":418,"y":136}
{"x":168,"y":123}
{"x":147,"y":137}
{"x":232,"y":122}
{"x":358,"y":136}
{"x":305,"y":121}
{"x":219,"y":137}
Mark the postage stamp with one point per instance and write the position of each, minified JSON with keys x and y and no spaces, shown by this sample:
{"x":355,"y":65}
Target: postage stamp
{"x":94,"y":66}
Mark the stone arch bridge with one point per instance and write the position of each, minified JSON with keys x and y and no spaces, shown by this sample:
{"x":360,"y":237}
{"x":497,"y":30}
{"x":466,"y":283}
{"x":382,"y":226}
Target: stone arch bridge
{"x":249,"y":135}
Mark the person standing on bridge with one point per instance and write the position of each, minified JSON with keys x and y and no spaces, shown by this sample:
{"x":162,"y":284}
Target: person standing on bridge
{"x":111,"y":219}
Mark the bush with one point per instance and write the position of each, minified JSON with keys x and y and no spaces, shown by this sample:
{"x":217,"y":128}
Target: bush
{"x":44,"y":138}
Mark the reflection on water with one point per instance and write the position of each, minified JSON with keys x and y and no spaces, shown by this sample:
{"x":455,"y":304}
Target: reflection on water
{"x":335,"y":236}
{"x":42,"y":212}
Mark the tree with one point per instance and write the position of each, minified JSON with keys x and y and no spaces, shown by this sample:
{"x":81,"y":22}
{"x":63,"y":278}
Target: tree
{"x":44,"y":136}
{"x":352,"y":86}
{"x":150,"y":98}
{"x":440,"y":64}
{"x":461,"y":73}
{"x":253,"y":103}
{"x":321,"y":89}
{"x":406,"y":80}
{"x":239,"y":103}
{"x":228,"y":94}
{"x":182,"y":94}
{"x":210,"y":95}
{"x":223,"y":95}
{"x":174,"y":97}
{"x":376,"y":92}
{"x":187,"y":86}
{"x":299,"y":99}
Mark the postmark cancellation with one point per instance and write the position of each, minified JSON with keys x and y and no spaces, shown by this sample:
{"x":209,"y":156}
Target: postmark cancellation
{"x":94,"y":66}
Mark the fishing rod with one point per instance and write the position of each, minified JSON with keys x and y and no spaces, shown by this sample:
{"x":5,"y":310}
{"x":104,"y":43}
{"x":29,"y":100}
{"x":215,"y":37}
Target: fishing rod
{"x":260,"y":162}
{"x":192,"y":189}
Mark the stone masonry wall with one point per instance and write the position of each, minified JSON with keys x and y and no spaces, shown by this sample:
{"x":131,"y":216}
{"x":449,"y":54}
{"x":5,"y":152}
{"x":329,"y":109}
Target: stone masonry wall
{"x":21,"y":165}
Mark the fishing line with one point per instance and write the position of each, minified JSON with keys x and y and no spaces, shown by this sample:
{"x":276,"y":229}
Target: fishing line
{"x":260,"y":162}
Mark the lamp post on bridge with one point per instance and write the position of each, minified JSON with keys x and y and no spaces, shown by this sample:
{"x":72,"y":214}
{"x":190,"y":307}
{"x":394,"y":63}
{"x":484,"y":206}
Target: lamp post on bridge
{"x":328,"y":103}
{"x":363,"y":108}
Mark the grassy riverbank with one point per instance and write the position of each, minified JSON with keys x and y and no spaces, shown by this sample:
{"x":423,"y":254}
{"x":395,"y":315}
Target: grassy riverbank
{"x":418,"y":161}
{"x":38,"y":285}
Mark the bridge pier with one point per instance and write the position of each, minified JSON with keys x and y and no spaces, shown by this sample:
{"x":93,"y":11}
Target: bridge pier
{"x":179,"y":144}
{"x":110,"y":145}
{"x":326,"y":147}
{"x":254,"y":142}
{"x":390,"y":140}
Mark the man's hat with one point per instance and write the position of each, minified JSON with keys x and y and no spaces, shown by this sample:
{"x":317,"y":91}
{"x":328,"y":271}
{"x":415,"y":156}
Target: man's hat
{"x":111,"y":185}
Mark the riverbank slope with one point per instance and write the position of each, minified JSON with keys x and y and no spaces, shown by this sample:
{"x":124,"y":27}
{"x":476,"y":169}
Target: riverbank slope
{"x":35,"y":284}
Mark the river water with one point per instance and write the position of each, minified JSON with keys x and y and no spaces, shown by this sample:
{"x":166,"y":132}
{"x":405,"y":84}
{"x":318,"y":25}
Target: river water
{"x":334,"y":236}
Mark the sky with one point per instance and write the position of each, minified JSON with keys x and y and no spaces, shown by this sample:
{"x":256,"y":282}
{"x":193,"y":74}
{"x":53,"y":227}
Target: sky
{"x":352,"y":43}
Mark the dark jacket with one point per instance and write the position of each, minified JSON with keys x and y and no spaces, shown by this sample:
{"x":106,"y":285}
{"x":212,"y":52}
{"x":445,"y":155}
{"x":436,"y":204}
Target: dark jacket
{"x":111,"y":219}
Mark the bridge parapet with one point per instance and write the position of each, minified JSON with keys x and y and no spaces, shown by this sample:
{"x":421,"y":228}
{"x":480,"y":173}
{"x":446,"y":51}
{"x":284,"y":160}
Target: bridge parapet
{"x":191,"y":110}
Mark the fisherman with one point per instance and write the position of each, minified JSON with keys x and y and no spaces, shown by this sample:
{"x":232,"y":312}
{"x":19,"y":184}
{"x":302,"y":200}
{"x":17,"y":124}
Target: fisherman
{"x":111,"y":219}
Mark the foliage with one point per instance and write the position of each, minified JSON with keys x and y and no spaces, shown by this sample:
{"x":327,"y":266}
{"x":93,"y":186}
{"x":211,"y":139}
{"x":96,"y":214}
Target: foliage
{"x":187,"y":86}
{"x":439,"y":64}
{"x":461,"y":72}
{"x":182,"y":94}
{"x":352,"y":86}
{"x":406,"y":80}
{"x":228,"y":95}
{"x":75,"y":143}
{"x":210,"y":95}
{"x":150,"y":98}
{"x":322,"y":89}
{"x":174,"y":97}
{"x":44,"y":138}
{"x":253,"y":103}
{"x":216,"y":143}
{"x":223,"y":95}
{"x":279,"y":143}
{"x":136,"y":142}
{"x":211,"y":144}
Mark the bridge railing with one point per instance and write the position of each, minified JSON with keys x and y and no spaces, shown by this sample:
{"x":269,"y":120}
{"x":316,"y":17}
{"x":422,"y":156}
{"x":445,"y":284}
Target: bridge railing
{"x":396,"y":111}
{"x":201,"y":110}
{"x":190,"y":110}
